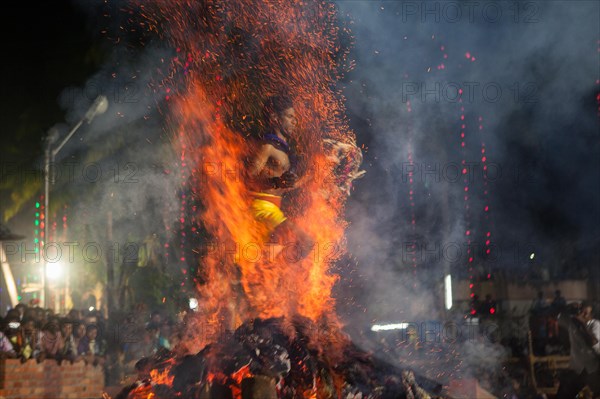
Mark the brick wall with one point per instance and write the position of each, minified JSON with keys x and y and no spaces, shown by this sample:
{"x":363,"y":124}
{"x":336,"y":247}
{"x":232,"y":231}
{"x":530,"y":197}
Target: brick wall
{"x":48,"y":380}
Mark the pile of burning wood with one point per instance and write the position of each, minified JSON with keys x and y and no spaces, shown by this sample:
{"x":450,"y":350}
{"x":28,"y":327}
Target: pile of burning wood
{"x":279,"y":359}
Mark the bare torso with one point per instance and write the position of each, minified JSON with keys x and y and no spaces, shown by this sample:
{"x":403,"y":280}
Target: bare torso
{"x":269,"y":162}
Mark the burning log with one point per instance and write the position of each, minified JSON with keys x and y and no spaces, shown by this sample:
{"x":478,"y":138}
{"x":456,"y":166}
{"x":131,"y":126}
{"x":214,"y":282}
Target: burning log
{"x":280,"y":359}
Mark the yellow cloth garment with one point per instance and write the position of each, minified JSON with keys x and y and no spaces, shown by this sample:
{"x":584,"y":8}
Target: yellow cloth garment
{"x":265,"y":208}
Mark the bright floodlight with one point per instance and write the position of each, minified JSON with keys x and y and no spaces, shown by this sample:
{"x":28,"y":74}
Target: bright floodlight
{"x":193,"y":303}
{"x":54,"y":271}
{"x":448,"y":291}
{"x":388,"y":327}
{"x":532,"y":256}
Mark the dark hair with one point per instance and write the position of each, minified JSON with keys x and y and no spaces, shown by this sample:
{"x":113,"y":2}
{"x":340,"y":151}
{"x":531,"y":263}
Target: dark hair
{"x":13,"y":313}
{"x":90,"y":328}
{"x":276,"y":105}
{"x":66,"y":320}
{"x":51,"y":326}
{"x":76,"y":325}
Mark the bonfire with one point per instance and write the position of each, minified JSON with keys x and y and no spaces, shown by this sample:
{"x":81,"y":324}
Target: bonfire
{"x":282,"y":337}
{"x":279,"y":358}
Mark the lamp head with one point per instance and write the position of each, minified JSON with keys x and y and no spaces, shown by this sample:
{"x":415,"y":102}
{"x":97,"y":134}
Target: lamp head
{"x":53,"y":135}
{"x":99,"y":106}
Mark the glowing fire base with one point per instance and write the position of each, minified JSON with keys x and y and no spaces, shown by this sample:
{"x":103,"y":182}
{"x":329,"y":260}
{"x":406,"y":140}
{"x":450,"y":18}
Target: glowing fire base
{"x":279,"y":358}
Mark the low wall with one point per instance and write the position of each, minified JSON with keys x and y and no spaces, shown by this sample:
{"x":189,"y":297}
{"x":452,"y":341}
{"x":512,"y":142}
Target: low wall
{"x":48,"y":380}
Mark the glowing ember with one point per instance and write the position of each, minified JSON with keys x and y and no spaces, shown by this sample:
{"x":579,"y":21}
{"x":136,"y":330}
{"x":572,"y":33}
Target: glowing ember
{"x":161,"y":376}
{"x":230,"y":57}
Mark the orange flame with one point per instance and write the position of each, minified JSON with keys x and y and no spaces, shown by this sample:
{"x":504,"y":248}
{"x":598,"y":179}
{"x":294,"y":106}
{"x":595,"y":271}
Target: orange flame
{"x":162,"y":376}
{"x":238,"y":376}
{"x":142,"y":392}
{"x":231,"y":56}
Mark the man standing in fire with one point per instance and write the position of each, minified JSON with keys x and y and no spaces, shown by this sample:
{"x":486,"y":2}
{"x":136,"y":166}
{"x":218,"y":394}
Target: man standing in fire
{"x":272,"y":173}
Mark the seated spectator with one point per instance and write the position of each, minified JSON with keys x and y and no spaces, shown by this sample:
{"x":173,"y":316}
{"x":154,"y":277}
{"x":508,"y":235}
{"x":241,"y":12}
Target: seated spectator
{"x":92,"y":347}
{"x":29,"y":341}
{"x":78,"y":334}
{"x":6,"y":347}
{"x":12,"y":330}
{"x":51,"y":343}
{"x":69,"y":351}
{"x":94,"y":317}
{"x":21,"y":308}
{"x":91,"y":318}
{"x":39,"y":317}
{"x":14,"y":315}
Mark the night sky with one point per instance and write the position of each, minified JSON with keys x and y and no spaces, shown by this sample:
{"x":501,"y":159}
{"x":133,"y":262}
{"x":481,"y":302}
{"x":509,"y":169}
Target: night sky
{"x":542,"y":132}
{"x":49,"y":46}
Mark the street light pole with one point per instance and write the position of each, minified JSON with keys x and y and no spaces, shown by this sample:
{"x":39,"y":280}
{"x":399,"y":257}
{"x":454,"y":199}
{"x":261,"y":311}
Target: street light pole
{"x":51,"y":138}
{"x":99,"y":106}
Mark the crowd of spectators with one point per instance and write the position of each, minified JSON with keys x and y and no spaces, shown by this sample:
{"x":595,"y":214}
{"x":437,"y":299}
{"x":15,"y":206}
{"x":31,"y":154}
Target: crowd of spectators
{"x":125,"y":347}
{"x":31,"y":333}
